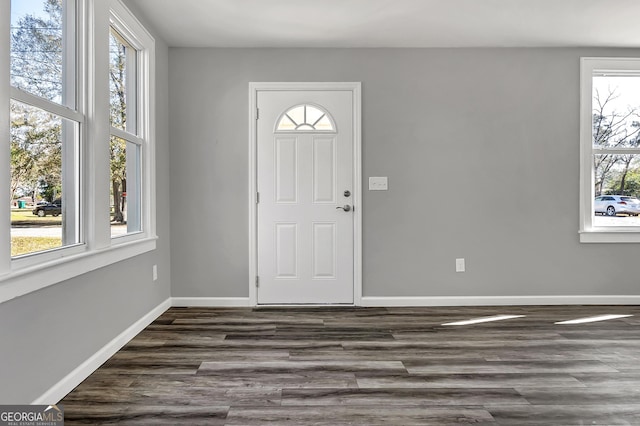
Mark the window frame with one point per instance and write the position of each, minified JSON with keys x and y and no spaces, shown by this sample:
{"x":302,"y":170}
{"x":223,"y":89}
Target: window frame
{"x":589,"y":233}
{"x":39,"y":270}
{"x":139,"y":39}
{"x":324,"y":112}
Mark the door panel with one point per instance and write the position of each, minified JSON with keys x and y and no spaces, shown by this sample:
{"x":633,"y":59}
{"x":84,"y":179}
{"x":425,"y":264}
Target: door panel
{"x":305,"y":240}
{"x":324,"y":170}
{"x":324,"y":251}
{"x":286,"y":250}
{"x":286,"y":168}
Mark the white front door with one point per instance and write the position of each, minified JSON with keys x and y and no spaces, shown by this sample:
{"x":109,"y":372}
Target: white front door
{"x":305,"y":221}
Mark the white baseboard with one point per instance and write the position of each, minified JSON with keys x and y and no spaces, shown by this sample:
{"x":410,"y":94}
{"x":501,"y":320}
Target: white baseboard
{"x":499,"y":301}
{"x":221,"y":302}
{"x":84,"y":370}
{"x":210,"y":302}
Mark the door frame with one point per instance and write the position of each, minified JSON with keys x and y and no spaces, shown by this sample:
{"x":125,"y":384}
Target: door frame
{"x":355,"y":89}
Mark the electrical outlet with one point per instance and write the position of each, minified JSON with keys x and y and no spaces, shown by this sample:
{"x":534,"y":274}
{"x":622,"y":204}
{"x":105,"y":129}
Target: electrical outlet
{"x":460,"y":265}
{"x":155,"y":272}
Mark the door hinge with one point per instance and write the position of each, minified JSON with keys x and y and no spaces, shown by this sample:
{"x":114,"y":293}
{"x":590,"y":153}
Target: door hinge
{"x":257,"y":281}
{"x":257,"y":113}
{"x":257,"y":198}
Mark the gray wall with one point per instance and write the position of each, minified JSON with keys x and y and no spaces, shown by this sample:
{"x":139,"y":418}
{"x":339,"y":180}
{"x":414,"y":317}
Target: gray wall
{"x":481,"y":147}
{"x":47,"y":334}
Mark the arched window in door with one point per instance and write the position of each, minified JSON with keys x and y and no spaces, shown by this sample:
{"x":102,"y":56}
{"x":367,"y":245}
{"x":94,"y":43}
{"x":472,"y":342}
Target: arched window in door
{"x":306,"y":118}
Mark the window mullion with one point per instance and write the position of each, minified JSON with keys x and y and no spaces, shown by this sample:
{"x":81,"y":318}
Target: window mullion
{"x":621,"y":151}
{"x":126,"y":136}
{"x":97,"y":151}
{"x":44,"y":104}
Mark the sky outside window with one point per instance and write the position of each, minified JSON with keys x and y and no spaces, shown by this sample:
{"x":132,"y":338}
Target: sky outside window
{"x":20,"y":8}
{"x":626,"y":89}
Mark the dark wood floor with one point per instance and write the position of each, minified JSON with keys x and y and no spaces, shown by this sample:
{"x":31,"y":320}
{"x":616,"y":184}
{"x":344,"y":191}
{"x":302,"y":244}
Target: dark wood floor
{"x":370,"y":366}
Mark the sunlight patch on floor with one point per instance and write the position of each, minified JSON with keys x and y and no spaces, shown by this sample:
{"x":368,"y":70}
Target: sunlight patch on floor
{"x":484,"y":319}
{"x":593,"y":319}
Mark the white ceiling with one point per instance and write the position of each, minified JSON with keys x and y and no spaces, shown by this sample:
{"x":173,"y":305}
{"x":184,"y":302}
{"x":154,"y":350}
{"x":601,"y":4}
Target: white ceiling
{"x":394,"y":23}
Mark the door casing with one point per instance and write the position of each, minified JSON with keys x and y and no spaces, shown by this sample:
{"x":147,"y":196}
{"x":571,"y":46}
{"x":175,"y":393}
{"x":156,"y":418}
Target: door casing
{"x":355,"y":89}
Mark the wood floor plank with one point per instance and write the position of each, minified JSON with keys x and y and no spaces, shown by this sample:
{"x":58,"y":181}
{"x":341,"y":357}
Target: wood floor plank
{"x":305,"y":379}
{"x":403,"y":397}
{"x":468,"y":381}
{"x":620,"y":379}
{"x":276,"y":367}
{"x":581,"y":396}
{"x":567,"y":415}
{"x":359,"y":415}
{"x":482,"y":366}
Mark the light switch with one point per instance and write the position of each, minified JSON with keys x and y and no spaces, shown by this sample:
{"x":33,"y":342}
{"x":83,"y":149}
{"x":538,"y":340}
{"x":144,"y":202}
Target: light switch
{"x":378,"y":183}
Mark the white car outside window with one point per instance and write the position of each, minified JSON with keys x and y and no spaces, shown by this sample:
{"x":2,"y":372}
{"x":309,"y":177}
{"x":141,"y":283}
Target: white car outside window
{"x":612,"y":205}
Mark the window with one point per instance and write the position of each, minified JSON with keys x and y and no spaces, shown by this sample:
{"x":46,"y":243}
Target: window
{"x":610,"y":150}
{"x":125,"y":147}
{"x":44,"y":127}
{"x":305,"y":118}
{"x":82,"y":193}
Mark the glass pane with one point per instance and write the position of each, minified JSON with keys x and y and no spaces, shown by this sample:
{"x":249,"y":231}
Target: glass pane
{"x":324,"y":124}
{"x":125,"y":187}
{"x":44,"y":176}
{"x":286,"y":124}
{"x":43,"y":49}
{"x":122,"y":83}
{"x":297,"y":114}
{"x":616,"y":111}
{"x":313,"y":114}
{"x":617,"y":189}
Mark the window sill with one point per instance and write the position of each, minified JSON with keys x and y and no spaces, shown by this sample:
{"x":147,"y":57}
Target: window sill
{"x":610,"y":236}
{"x":29,"y":279}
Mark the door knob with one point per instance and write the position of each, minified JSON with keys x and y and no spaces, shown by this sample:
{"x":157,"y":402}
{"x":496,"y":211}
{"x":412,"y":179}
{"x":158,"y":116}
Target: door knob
{"x":346,"y":208}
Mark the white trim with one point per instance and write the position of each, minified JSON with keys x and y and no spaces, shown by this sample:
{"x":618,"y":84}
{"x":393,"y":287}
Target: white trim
{"x":5,"y":133}
{"x":595,"y":236}
{"x":500,"y":300}
{"x":97,"y":172}
{"x":210,"y":302}
{"x":357,"y":196}
{"x":129,"y":26}
{"x":253,"y":191}
{"x":84,"y":370}
{"x":356,"y":89}
{"x":586,"y":134}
